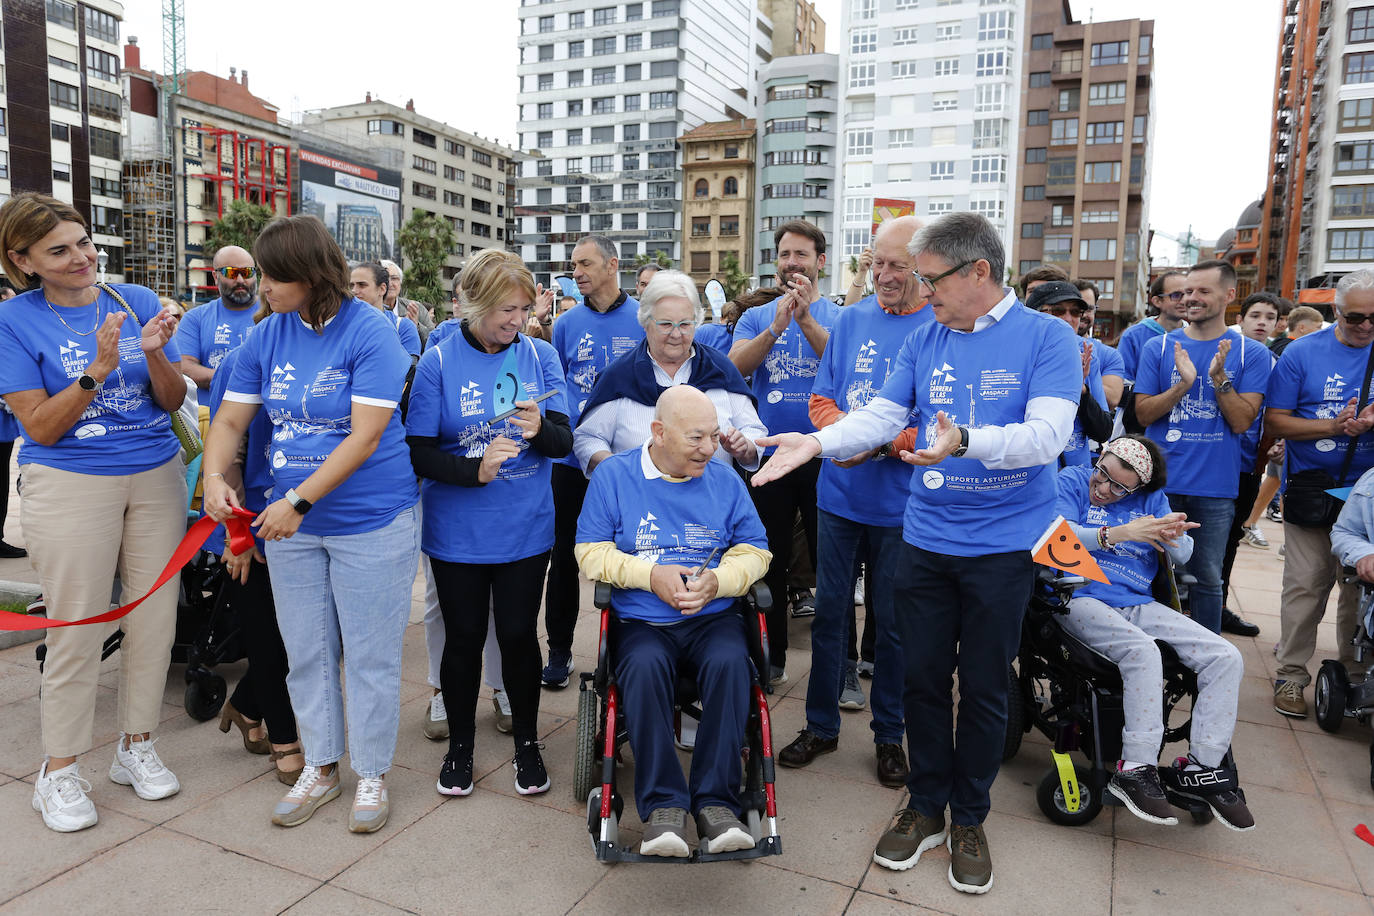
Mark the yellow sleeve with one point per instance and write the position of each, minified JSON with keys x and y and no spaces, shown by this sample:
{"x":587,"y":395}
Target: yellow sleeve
{"x":740,"y":567}
{"x":601,"y":561}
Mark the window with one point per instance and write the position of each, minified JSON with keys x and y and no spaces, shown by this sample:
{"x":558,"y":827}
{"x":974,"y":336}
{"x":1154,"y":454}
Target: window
{"x":989,"y":97}
{"x":663,"y":99}
{"x":104,"y":143}
{"x":663,"y":130}
{"x":662,"y":68}
{"x":729,"y":225}
{"x":545,"y":23}
{"x":1360,"y":25}
{"x":424,"y":165}
{"x":1352,"y":200}
{"x":944,"y":101}
{"x":1097,"y":250}
{"x":575,"y":108}
{"x":546,"y":52}
{"x":994,"y":26}
{"x":629,"y":221}
{"x":988,"y":133}
{"x":600,"y":222}
{"x":575,"y":49}
{"x":603,"y":163}
{"x":988,"y":170}
{"x":632,"y":72}
{"x":64,"y":96}
{"x":544,"y":82}
{"x":1101,"y":172}
{"x":603,"y":105}
{"x":60,"y":13}
{"x":1354,"y":157}
{"x":942,"y":170}
{"x":543,"y":168}
{"x":1100,"y":216}
{"x":1033,"y":192}
{"x":701,"y":225}
{"x":1359,"y":68}
{"x":730,"y":188}
{"x":864,"y":9}
{"x":1037,"y":117}
{"x":948,"y":31}
{"x":573,"y":167}
{"x":1068,"y":99}
{"x":61,"y":132}
{"x":1061,"y":215}
{"x":634,"y":42}
{"x":425,"y":191}
{"x":1109,"y":52}
{"x":1107,"y":93}
{"x":731,"y":151}
{"x":863,"y":41}
{"x":1357,"y":114}
{"x":482,"y":230}
{"x":61,"y":171}
{"x":632,"y":102}
{"x":908,"y":4}
{"x":102,"y":64}
{"x":1106,"y":132}
{"x":941,"y":136}
{"x":904,"y":36}
{"x":1070,"y":61}
{"x":577,"y":20}
{"x":603,"y":134}
{"x":1057,"y":248}
{"x":944,"y":66}
{"x":664,"y":38}
{"x":936,"y":206}
{"x":601,"y":192}
{"x":454,"y":148}
{"x":629,"y":192}
{"x":904,"y":70}
{"x":701,"y":262}
{"x":664,"y":8}
{"x":602,"y":46}
{"x":545,"y":111}
{"x":1061,"y":171}
{"x":603,"y":75}
{"x":659,"y":220}
{"x":859,"y":142}
{"x":861,"y":75}
{"x":106,"y":187}
{"x":101,"y":25}
{"x":1040,"y":79}
{"x":1138,"y":129}
{"x":62,"y":62}
{"x":542,"y":224}
{"x":629,"y":162}
{"x":662,"y":190}
{"x":905,"y":138}
{"x":1042,"y":42}
{"x":603,"y":16}
{"x":424,"y":138}
{"x":1035,"y":154}
{"x":990,"y":208}
{"x":1350,"y":244}
{"x":1027,"y":266}
{"x":1063,"y":131}
{"x":107,"y":220}
{"x":634,"y":12}
{"x":992,"y":63}
{"x":1032,"y":230}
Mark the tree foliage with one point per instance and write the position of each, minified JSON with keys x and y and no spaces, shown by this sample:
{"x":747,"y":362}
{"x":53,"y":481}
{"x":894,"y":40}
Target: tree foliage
{"x":426,"y":241}
{"x":239,"y":226}
{"x":659,"y":257}
{"x":733,"y":277}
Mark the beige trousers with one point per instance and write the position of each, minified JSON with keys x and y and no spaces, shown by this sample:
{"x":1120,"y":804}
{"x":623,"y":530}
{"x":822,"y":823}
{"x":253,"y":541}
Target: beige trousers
{"x":1309,"y":572}
{"x":82,"y":530}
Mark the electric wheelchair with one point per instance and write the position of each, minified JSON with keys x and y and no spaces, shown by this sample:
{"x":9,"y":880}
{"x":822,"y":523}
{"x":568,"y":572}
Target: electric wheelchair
{"x":601,"y":733}
{"x":1336,"y":696}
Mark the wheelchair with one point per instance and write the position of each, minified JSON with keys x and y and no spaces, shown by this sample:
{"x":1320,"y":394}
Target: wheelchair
{"x":601,"y":733}
{"x":1336,"y":697}
{"x":1074,"y":697}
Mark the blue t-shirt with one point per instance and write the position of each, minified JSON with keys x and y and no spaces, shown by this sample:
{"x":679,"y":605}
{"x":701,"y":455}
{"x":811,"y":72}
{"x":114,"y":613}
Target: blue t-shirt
{"x":960,"y":507}
{"x":667,"y":522}
{"x":1110,"y":357}
{"x":443,"y":329}
{"x":587,"y":341}
{"x":1076,"y":452}
{"x":457,"y":389}
{"x":714,"y":335}
{"x":208,"y":332}
{"x":1203,"y":452}
{"x":783,"y":381}
{"x":257,"y":472}
{"x":130,"y":433}
{"x":406,"y":331}
{"x":1314,"y":378}
{"x":9,"y":423}
{"x":308,"y":383}
{"x":861,"y":354}
{"x":1130,"y":567}
{"x":1132,"y":341}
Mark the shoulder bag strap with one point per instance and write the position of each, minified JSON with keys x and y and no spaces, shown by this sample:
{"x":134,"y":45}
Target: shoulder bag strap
{"x":114,"y":294}
{"x":1360,"y":405}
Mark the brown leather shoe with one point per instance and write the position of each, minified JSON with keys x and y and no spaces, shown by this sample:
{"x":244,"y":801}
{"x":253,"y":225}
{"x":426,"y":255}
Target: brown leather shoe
{"x":892,"y":768}
{"x":806,"y":748}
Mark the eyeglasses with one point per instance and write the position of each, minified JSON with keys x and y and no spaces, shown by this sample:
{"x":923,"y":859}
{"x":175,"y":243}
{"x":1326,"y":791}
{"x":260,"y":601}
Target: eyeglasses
{"x":667,"y":327}
{"x":393,"y":277}
{"x":237,"y":273}
{"x":1060,"y":309}
{"x":1118,"y":489}
{"x":1175,"y":296}
{"x":929,"y":282}
{"x":1356,"y":318}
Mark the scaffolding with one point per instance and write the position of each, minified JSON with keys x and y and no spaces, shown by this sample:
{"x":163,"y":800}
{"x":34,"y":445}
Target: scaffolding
{"x":150,"y":225}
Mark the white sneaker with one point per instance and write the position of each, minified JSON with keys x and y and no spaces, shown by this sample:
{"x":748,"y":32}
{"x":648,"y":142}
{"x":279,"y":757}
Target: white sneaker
{"x":501,"y":703}
{"x":60,"y":796}
{"x":687,"y":741}
{"x":140,"y":767}
{"x":370,"y":806}
{"x":1254,"y":537}
{"x":859,"y":590}
{"x":436,"y":719}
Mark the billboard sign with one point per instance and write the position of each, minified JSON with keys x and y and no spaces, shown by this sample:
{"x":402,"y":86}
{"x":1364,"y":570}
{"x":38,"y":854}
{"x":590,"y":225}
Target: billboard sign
{"x":885,"y":208}
{"x":360,"y":205}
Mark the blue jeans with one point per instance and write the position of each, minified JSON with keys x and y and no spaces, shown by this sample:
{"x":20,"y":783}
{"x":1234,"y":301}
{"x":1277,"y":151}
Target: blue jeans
{"x":346,"y":595}
{"x":840,"y":542}
{"x":1214,"y":514}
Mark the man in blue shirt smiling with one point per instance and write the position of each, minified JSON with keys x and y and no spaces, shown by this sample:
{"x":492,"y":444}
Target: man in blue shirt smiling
{"x":208,"y":332}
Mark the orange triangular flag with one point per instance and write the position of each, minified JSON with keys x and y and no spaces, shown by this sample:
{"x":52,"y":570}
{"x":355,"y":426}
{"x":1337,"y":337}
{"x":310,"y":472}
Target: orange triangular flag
{"x":1060,"y":548}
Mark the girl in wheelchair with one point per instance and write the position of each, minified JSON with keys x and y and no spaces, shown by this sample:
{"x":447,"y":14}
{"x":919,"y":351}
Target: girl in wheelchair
{"x":1118,"y":509}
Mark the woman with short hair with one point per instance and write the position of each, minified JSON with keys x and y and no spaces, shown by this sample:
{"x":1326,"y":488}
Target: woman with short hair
{"x":341,"y":530}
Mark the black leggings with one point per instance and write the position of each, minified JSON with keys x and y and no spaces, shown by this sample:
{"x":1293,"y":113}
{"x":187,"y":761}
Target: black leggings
{"x":261,"y":693}
{"x":467,"y":591}
{"x":6,"y":450}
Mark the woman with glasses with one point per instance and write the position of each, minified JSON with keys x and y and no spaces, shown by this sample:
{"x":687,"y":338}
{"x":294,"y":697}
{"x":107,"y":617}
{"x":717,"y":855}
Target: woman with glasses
{"x":208,"y":332}
{"x":618,"y":414}
{"x":1118,"y":509}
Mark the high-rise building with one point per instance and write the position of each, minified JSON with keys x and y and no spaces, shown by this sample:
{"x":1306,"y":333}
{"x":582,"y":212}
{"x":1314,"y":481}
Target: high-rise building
{"x":445,"y":171}
{"x":61,"y":110}
{"x":796,"y":27}
{"x":930,"y":113}
{"x":605,"y":91}
{"x":1085,"y":156}
{"x":798,"y":121}
{"x":1318,"y":212}
{"x":718,"y":208}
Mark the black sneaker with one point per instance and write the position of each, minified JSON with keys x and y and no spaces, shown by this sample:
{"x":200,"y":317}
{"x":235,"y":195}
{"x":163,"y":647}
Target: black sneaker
{"x":1216,"y":787}
{"x":803,"y":603}
{"x":1139,"y":789}
{"x":455,"y":776}
{"x":530,"y":776}
{"x":1233,"y":623}
{"x":806,"y":748}
{"x":911,"y":834}
{"x":10,"y":552}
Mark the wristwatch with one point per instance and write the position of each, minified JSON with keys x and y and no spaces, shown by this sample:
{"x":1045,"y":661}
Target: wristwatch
{"x":885,"y":450}
{"x":88,"y":383}
{"x":298,"y":502}
{"x":963,"y":443}
{"x":1225,"y":386}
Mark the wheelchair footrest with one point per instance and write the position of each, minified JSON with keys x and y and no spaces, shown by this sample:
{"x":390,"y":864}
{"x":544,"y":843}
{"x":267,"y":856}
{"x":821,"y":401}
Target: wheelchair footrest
{"x":610,"y":852}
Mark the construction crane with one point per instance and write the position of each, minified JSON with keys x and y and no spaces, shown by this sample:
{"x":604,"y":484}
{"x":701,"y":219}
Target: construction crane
{"x":1188,"y":246}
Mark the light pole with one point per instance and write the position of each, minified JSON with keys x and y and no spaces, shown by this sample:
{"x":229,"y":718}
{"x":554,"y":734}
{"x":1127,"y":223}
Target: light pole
{"x":102,"y":258}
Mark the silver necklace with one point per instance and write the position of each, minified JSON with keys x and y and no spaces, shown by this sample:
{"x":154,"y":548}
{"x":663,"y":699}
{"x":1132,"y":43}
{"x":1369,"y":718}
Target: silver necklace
{"x":54,"y":310}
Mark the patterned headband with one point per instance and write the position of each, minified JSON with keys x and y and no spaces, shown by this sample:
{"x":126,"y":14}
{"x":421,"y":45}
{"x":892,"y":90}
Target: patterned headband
{"x":1134,"y":455}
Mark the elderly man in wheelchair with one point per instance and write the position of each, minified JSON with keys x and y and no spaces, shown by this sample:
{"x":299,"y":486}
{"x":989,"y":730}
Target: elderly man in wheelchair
{"x":1117,"y":508}
{"x":654,"y":522}
{"x":1347,"y":689}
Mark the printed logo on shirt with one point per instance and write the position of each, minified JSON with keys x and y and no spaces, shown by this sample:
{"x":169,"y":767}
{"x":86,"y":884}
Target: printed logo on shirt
{"x":280,"y":383}
{"x":90,"y":430}
{"x":74,"y":360}
{"x":999,"y":383}
{"x":328,"y":381}
{"x":859,"y":394}
{"x":933,"y":480}
{"x":1334,"y":389}
{"x":470,"y":400}
{"x":622,"y":345}
{"x":584,"y":377}
{"x":941,"y":384}
{"x":645,"y":539}
{"x":222,"y":332}
{"x":864,"y":361}
{"x":584,"y":347}
{"x":783,"y":366}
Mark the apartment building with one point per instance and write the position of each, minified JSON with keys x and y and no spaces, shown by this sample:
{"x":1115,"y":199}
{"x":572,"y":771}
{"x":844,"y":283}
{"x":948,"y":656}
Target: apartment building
{"x":796,"y":27}
{"x":718,"y":167}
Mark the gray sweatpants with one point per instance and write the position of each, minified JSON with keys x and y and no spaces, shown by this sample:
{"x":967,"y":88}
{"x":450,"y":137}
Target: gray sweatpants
{"x":1127,"y":637}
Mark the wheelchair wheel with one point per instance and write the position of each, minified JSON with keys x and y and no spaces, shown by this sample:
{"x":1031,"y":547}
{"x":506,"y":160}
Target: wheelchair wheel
{"x":205,"y":695}
{"x":1332,"y":688}
{"x":1016,"y":715}
{"x":1050,"y":797}
{"x":584,"y":763}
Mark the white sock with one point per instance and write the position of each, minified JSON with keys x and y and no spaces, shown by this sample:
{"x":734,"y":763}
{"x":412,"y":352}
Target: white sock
{"x":1133,"y":765}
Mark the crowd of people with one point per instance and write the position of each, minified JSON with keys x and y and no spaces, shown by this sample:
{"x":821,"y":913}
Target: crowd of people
{"x":919,"y":438}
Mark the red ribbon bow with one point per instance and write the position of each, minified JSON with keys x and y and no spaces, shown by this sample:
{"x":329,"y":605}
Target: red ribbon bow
{"x":240,"y":539}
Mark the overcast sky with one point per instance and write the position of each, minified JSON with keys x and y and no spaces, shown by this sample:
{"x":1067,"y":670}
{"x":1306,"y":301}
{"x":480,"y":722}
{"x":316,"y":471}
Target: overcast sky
{"x":1214,"y":72}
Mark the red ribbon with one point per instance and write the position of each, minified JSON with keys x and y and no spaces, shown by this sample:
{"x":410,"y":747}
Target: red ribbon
{"x":240,"y":539}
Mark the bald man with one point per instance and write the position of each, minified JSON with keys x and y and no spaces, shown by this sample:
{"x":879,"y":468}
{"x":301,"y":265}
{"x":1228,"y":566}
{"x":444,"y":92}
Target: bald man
{"x":859,"y":513}
{"x":652,"y":518}
{"x":208,"y":332}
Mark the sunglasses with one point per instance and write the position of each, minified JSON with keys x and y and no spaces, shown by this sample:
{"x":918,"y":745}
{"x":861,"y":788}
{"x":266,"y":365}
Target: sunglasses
{"x":1060,"y":309}
{"x":1356,"y":318}
{"x":237,"y":273}
{"x":1117,"y":489}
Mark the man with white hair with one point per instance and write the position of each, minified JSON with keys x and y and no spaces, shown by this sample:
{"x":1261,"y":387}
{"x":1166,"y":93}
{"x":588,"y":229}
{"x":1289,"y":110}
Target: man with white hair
{"x":417,"y":312}
{"x":1319,"y":402}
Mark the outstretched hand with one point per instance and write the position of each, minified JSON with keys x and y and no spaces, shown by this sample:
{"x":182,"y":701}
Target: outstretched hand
{"x":793,"y":451}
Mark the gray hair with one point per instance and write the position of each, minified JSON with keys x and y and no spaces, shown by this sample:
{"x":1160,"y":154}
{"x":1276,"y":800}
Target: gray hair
{"x":603,"y":245}
{"x":650,"y":266}
{"x":669,"y":284}
{"x":959,"y":237}
{"x":1356,"y":279}
{"x":392,"y":265}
